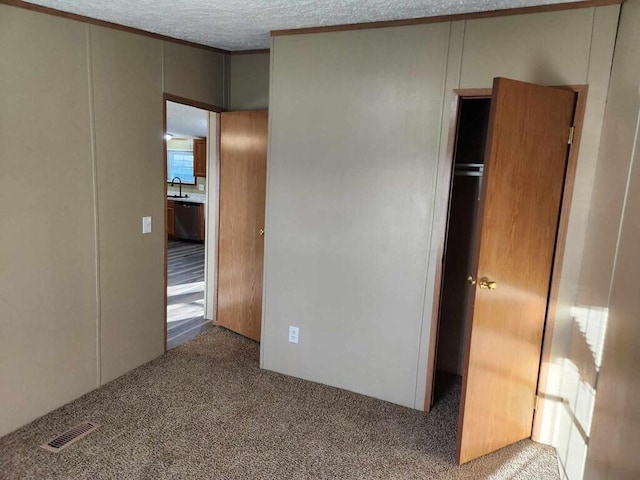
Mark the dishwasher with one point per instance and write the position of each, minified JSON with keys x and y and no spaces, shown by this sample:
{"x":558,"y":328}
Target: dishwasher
{"x":187,"y":221}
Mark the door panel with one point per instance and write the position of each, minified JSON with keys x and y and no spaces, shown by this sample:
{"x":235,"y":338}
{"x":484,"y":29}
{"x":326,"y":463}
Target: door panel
{"x":525,"y":165}
{"x":243,"y":166}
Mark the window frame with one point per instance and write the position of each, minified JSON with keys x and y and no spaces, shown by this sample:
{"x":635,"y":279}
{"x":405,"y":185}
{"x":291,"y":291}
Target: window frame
{"x":169,"y":176}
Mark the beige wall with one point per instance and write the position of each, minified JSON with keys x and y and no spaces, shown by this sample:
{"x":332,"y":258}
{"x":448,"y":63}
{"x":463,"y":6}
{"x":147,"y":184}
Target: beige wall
{"x":584,"y":309}
{"x":617,"y":144}
{"x":354,"y":129}
{"x":128,"y":137}
{"x":195,"y":73}
{"x":547,"y":48}
{"x":48,"y":304}
{"x":351,"y":261}
{"x":610,"y":277}
{"x":81,"y":289}
{"x":249,"y":81}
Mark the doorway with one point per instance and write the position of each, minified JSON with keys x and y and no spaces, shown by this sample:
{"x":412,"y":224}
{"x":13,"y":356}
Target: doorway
{"x":464,"y":202}
{"x":512,"y":168}
{"x":214,"y":249}
{"x":190,"y":136}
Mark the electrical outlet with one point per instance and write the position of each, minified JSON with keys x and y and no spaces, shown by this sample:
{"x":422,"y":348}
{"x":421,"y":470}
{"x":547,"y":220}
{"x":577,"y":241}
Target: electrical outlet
{"x":146,"y":224}
{"x":293,"y":334}
{"x":201,"y":187}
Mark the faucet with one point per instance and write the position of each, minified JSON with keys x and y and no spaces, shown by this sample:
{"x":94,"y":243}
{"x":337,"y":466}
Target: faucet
{"x":180,"y":184}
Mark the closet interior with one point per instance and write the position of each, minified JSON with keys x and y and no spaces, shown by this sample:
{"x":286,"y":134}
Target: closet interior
{"x":458,"y":261}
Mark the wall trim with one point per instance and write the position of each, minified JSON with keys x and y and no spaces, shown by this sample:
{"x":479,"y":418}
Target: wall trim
{"x":250,"y":52}
{"x":305,"y":30}
{"x":448,"y":18}
{"x":116,"y":26}
{"x":192,"y":103}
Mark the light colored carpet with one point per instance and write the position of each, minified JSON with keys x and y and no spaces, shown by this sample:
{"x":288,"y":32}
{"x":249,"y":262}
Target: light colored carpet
{"x":206,"y":411}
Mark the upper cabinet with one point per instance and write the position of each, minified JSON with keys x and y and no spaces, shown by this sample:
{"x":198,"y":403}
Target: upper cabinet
{"x":200,"y":157}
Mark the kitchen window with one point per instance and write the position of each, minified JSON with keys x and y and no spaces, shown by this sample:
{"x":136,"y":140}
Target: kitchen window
{"x":180,"y":164}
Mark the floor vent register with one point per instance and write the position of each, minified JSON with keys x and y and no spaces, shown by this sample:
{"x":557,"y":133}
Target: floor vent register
{"x":69,"y":437}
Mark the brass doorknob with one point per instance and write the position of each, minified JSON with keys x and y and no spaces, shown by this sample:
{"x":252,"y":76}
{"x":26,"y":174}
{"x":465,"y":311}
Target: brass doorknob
{"x":470,"y":280}
{"x":487,"y":284}
{"x":261,"y":231}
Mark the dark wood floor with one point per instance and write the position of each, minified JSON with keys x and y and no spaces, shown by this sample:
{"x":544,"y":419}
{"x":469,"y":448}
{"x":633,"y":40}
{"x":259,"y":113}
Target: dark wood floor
{"x":185,"y":292}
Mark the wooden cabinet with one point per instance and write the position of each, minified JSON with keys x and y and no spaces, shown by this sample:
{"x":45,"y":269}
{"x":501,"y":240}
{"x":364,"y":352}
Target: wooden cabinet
{"x":170,"y":219}
{"x":200,"y":157}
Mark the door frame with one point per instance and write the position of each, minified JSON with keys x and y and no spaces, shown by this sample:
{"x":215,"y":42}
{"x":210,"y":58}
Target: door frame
{"x":212,"y":222}
{"x":440,"y":236}
{"x":210,"y":108}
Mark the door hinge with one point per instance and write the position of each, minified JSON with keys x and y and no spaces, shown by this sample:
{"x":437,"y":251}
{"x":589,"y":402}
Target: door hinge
{"x":571,"y":132}
{"x":535,"y":405}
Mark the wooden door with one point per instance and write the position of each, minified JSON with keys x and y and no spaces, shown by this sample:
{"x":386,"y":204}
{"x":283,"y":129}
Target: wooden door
{"x":525,"y":164}
{"x":243,"y":168}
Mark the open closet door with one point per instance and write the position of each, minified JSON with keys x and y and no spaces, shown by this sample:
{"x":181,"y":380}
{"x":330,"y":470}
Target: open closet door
{"x":525,"y":163}
{"x":243,"y":170}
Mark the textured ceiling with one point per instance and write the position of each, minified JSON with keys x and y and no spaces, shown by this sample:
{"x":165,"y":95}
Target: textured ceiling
{"x":245,"y":24}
